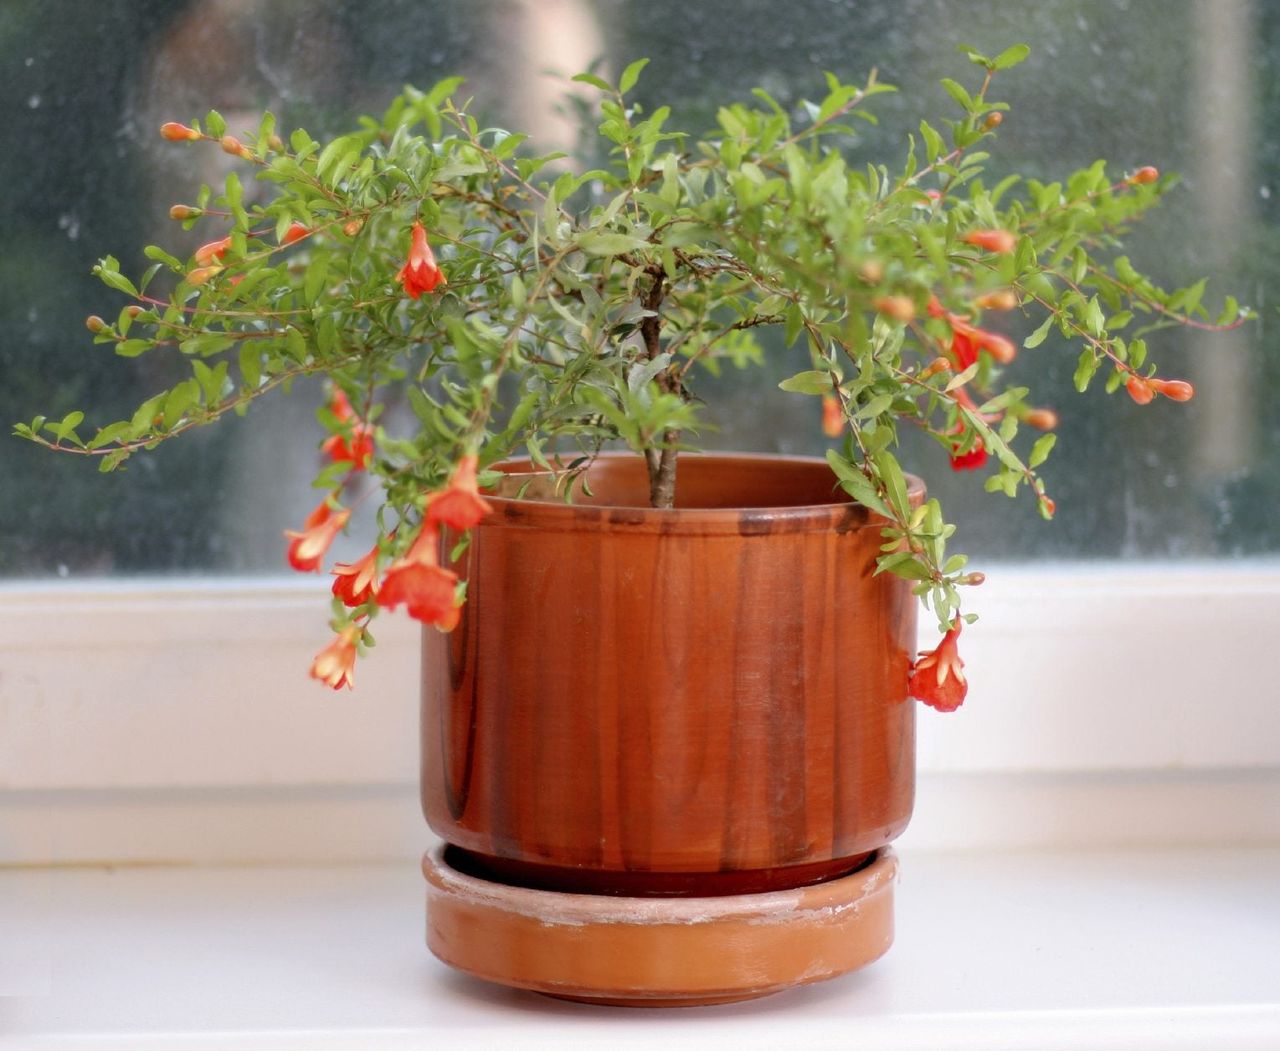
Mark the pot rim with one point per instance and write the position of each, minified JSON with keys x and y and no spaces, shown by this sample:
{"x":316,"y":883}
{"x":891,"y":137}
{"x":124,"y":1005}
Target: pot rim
{"x":841,"y":513}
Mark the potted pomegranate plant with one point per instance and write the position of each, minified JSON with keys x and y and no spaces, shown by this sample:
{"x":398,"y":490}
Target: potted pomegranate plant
{"x":666,"y":726}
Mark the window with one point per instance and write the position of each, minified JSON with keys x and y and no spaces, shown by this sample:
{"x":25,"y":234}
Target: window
{"x":1190,"y":85}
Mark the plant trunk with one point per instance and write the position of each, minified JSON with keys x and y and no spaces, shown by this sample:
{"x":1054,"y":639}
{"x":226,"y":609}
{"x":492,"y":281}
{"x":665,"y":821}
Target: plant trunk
{"x":661,"y":462}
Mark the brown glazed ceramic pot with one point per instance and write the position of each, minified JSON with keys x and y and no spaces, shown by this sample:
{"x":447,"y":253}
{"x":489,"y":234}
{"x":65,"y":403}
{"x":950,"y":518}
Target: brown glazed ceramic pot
{"x":704,"y":701}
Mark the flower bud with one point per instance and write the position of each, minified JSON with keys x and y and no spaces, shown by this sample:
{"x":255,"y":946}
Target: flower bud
{"x":934,"y":367}
{"x":1177,"y":390}
{"x":175,"y":132}
{"x":1047,"y":506}
{"x":185,"y":211}
{"x":1000,"y":299}
{"x":999,"y":241}
{"x":133,"y":310}
{"x":352,"y":227}
{"x":94,"y":323}
{"x":1143,"y":175}
{"x":201,"y":274}
{"x":871,"y":271}
{"x":972,"y":579}
{"x":230,"y":144}
{"x":276,"y":143}
{"x":1043,"y":419}
{"x":832,"y":416}
{"x":994,"y":120}
{"x":933,"y":195}
{"x":900,"y":308}
{"x":1139,"y":389}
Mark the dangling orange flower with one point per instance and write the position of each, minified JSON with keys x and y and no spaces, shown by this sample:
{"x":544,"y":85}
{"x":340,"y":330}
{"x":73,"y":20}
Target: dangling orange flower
{"x":1175,"y":390}
{"x":1140,"y":390}
{"x":355,"y":448}
{"x":937,"y":678}
{"x":1000,"y":241}
{"x":214,"y":250}
{"x":459,"y":505}
{"x":832,"y":417}
{"x":422,"y":585}
{"x":335,"y":664}
{"x":420,"y":274}
{"x":357,"y":582}
{"x":295,"y":232}
{"x":307,"y":548}
{"x":970,"y":461}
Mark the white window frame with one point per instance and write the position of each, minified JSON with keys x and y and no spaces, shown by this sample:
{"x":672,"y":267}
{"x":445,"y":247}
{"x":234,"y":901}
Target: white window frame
{"x":174,"y":720}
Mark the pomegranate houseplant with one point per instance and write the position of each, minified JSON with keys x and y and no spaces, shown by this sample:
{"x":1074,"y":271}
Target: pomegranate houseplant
{"x":542,"y":515}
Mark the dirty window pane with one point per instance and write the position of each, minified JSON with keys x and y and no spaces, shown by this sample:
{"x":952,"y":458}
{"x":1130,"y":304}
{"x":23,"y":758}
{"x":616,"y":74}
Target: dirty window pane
{"x":1186,"y":85}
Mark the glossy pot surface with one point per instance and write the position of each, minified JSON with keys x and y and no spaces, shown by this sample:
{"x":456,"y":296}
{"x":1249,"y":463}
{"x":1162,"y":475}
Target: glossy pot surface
{"x":705,"y":700}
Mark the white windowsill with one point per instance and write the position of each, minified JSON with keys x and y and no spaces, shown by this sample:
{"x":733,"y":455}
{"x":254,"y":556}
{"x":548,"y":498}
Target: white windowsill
{"x":994,"y":952}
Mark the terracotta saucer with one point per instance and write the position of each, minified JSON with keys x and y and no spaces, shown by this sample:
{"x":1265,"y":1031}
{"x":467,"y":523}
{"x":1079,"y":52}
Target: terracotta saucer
{"x":658,"y":952}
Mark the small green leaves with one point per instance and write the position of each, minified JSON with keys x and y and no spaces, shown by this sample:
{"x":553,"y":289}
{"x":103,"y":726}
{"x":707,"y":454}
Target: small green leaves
{"x":813,"y":382}
{"x":1010,"y":57}
{"x":630,"y":75}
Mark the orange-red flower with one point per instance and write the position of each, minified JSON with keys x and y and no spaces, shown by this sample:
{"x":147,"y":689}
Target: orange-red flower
{"x":970,"y":461}
{"x":1177,"y":390}
{"x":306,"y":549}
{"x":937,"y":677}
{"x":355,"y":444}
{"x":459,"y":504}
{"x":418,"y":582}
{"x":296,"y":232}
{"x":213,"y":251}
{"x":357,"y":582}
{"x":1139,"y":388}
{"x":832,"y":417}
{"x":420,"y":274}
{"x":335,"y":664}
{"x":991,"y":240}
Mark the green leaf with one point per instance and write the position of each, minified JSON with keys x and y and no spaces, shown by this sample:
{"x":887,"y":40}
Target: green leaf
{"x":932,"y":140}
{"x":1085,"y":368}
{"x":1040,"y":451}
{"x":1011,"y":56}
{"x":602,"y":243}
{"x":812,"y":382}
{"x":1039,"y":335}
{"x":630,"y":75}
{"x":593,"y":80}
{"x":69,"y":423}
{"x":958,"y":93}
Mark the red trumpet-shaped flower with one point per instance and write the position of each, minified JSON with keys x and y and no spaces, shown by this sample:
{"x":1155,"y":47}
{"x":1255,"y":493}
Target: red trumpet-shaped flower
{"x":335,"y":664}
{"x":419,"y":583}
{"x":355,"y":444}
{"x":295,"y":232}
{"x":357,"y":582}
{"x":420,"y":274}
{"x":967,"y":339}
{"x":970,"y":461}
{"x":937,"y":677}
{"x":306,"y":549}
{"x":459,"y":504}
{"x":213,"y":251}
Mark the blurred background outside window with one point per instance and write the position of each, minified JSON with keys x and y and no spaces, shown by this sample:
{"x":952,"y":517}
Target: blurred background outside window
{"x":1191,"y":86}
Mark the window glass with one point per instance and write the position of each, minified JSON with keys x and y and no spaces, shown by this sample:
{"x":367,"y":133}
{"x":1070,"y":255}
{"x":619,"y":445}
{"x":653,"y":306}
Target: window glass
{"x":1186,"y":85}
